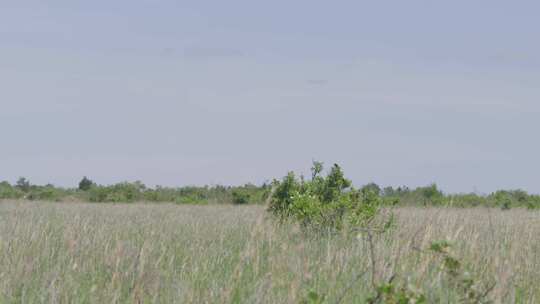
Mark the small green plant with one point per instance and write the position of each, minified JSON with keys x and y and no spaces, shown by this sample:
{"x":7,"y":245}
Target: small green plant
{"x":389,"y":293}
{"x":312,"y":297}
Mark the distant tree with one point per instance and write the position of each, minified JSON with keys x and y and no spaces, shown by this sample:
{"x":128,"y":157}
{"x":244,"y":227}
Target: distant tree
{"x":388,"y":191}
{"x":372,"y":187}
{"x":430,"y":192}
{"x":316,"y":169}
{"x":85,"y":184}
{"x":23,"y":184}
{"x":401,"y":190}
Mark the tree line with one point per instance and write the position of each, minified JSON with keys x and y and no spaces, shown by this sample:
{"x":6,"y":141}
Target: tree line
{"x":89,"y":191}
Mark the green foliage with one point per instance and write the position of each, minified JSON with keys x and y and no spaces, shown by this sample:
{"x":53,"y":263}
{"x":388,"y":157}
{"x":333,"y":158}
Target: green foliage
{"x":324,"y":201}
{"x":466,"y":200}
{"x":85,"y":184}
{"x":45,"y":193}
{"x":240,"y":197}
{"x":439,"y":246}
{"x":432,"y":196}
{"x":195,"y":195}
{"x":23,"y":184}
{"x":533,"y":202}
{"x":373,"y":187}
{"x":137,"y":191}
{"x":470,"y":291}
{"x":428,"y":195}
{"x":121,"y":192}
{"x":23,"y":189}
{"x":506,"y":204}
{"x":332,"y":194}
{"x":456,"y":279}
{"x":312,"y":298}
{"x":507,"y":199}
{"x":9,"y":192}
{"x":389,"y":293}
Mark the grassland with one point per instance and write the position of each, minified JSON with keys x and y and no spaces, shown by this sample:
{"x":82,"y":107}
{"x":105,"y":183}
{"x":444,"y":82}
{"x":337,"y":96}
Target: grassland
{"x":148,"y":253}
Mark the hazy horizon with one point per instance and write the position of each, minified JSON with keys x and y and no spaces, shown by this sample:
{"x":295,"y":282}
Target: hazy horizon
{"x":196,"y":92}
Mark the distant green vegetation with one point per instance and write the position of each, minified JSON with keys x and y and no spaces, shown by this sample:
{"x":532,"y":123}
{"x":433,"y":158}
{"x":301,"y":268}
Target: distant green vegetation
{"x":321,"y":187}
{"x":432,"y":196}
{"x":128,"y":192}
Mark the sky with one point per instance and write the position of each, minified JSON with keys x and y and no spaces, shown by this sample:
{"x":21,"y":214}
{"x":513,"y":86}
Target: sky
{"x":228,"y":92}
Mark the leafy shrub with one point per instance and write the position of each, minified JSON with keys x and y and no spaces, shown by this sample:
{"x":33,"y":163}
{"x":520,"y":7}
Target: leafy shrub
{"x":431,"y":194}
{"x":240,"y":197}
{"x":324,"y":201}
{"x":121,"y":192}
{"x":191,"y":199}
{"x":97,"y":194}
{"x":427,"y":195}
{"x":373,"y":187}
{"x":533,"y":202}
{"x":45,"y":193}
{"x":9,"y":192}
{"x":466,"y":200}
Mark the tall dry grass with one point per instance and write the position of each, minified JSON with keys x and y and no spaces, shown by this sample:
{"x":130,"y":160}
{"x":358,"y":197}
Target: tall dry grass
{"x":91,"y":253}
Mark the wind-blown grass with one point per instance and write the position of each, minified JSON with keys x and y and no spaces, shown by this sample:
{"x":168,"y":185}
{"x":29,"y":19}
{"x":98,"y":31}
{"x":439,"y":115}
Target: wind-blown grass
{"x":137,"y":253}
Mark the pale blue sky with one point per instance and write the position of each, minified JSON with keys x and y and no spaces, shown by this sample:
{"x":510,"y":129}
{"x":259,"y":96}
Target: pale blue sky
{"x":205,"y":92}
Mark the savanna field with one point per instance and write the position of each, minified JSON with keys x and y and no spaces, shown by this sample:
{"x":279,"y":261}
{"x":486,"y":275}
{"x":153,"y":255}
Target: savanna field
{"x":168,"y":253}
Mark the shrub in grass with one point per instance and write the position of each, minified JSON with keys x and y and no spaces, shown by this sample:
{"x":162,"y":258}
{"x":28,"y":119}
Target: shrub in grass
{"x":240,"y":197}
{"x":9,"y":192}
{"x":324,"y":201}
{"x":45,"y":193}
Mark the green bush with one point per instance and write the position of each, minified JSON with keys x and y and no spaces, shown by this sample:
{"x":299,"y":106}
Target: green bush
{"x":121,"y":192}
{"x":465,"y":200}
{"x":240,"y":197}
{"x":45,"y":193}
{"x":533,"y":203}
{"x":9,"y":192}
{"x":324,"y":201}
{"x":373,"y":187}
{"x":191,"y":199}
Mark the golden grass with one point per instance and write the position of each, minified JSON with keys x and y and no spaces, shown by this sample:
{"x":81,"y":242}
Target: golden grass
{"x":150,"y":253}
